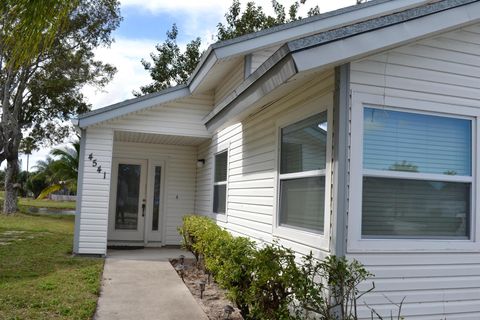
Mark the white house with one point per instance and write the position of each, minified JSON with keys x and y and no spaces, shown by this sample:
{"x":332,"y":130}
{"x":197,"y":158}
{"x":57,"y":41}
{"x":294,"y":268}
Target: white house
{"x":352,"y":133}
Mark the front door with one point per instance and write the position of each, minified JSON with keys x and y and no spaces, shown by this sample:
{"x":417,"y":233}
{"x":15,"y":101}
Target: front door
{"x":128,"y":200}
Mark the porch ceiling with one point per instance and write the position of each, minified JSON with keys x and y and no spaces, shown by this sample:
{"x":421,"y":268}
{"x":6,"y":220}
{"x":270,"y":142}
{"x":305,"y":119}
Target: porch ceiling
{"x":140,"y":137}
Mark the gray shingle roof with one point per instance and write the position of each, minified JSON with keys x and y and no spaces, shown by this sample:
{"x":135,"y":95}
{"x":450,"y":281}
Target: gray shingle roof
{"x":374,"y":24}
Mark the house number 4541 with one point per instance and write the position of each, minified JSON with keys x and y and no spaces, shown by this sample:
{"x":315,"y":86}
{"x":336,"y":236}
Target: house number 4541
{"x":95,"y":164}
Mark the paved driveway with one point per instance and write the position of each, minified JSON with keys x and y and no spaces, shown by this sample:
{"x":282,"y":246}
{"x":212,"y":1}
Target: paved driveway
{"x":142,"y":284}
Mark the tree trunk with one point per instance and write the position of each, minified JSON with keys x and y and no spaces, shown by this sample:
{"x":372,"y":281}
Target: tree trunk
{"x":11,"y":187}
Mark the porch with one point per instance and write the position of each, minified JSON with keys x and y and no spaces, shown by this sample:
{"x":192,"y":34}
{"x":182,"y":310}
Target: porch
{"x":134,"y":188}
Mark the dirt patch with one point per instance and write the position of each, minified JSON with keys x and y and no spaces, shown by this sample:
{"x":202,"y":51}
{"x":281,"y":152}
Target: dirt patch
{"x":214,"y":298}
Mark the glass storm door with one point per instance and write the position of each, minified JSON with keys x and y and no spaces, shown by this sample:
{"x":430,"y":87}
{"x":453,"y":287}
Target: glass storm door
{"x":128,"y":200}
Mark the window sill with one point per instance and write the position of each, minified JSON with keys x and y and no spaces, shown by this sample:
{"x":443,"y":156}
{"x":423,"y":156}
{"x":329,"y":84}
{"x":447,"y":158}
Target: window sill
{"x":315,"y":240}
{"x":222,"y":217}
{"x":412,"y":246}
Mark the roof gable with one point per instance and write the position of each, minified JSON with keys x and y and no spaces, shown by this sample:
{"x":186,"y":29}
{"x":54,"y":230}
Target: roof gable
{"x":335,"y":47}
{"x":353,"y":25}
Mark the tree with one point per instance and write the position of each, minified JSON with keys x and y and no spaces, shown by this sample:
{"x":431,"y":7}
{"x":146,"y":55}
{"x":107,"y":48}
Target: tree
{"x":27,"y":146}
{"x":43,"y":177}
{"x":35,"y":22}
{"x":172,"y":67}
{"x":40,"y":91}
{"x":253,"y":19}
{"x":59,"y":172}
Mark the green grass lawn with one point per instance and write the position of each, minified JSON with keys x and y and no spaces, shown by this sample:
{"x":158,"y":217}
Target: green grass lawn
{"x":46,"y":203}
{"x":39,"y":278}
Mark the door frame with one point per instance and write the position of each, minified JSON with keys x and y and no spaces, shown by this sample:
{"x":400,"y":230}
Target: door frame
{"x":127,"y":235}
{"x":155,"y":238}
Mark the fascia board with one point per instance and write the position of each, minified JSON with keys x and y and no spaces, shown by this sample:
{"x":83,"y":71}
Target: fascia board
{"x":365,"y":44}
{"x":135,"y":105}
{"x":202,"y":70}
{"x":270,"y":37}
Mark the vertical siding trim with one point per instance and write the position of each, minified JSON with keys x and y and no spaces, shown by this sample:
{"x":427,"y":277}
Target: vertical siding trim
{"x":340,"y":160}
{"x":78,"y":207}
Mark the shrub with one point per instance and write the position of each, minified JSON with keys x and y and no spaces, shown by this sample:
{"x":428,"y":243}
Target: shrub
{"x":329,"y":287}
{"x":192,"y":230}
{"x":227,"y":258}
{"x":275,"y":274}
{"x":233,"y":269}
{"x":266,"y":283}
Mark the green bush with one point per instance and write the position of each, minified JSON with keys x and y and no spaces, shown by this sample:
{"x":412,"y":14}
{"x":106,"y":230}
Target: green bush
{"x":266,"y":283}
{"x":329,"y":288}
{"x":193,"y":231}
{"x":275,"y":274}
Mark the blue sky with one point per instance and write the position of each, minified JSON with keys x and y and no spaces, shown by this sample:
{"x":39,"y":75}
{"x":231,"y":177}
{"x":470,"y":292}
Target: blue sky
{"x":145,"y":23}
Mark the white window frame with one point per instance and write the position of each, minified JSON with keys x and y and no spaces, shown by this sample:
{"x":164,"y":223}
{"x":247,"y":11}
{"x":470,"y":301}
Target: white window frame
{"x":218,"y":215}
{"x":311,"y":238}
{"x":357,"y":243}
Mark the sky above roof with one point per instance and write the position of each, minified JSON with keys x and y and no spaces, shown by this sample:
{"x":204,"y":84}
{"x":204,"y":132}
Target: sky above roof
{"x":145,"y":23}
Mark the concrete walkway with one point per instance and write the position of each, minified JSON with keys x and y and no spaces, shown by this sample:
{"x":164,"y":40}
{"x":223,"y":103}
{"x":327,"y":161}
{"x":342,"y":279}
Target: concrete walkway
{"x":142,"y":284}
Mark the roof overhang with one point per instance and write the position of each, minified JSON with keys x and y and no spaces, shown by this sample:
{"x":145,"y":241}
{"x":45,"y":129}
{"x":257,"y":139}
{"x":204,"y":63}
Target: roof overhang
{"x":336,"y":47}
{"x":278,"y":35}
{"x":132,"y":105}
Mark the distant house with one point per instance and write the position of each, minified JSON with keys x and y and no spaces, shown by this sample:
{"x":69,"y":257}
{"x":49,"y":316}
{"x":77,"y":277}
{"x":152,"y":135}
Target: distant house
{"x":352,"y":133}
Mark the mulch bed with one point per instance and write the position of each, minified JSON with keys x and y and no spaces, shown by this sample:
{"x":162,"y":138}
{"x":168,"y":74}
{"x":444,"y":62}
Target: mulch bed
{"x":214,"y":298}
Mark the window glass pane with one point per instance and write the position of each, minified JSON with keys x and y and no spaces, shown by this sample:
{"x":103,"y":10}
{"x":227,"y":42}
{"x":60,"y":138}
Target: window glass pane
{"x":302,"y":203}
{"x":403,"y":141}
{"x":415,"y":208}
{"x":219,"y":198}
{"x":128,"y":193}
{"x":156,"y":198}
{"x":304,"y":145}
{"x":221,"y":166}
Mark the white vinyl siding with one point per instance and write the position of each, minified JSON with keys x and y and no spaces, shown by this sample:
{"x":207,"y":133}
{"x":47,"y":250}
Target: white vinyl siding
{"x":251,"y":194}
{"x":230,"y":82}
{"x":179,"y":118}
{"x":92,"y":237}
{"x":439,"y":279}
{"x":260,"y":56}
{"x":179,"y":184}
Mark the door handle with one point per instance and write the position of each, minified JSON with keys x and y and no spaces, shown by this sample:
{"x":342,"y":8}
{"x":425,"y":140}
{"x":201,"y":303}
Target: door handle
{"x":143,"y":210}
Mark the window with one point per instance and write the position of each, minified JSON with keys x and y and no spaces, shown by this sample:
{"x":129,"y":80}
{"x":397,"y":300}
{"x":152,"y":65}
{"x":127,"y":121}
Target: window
{"x":303,"y":149}
{"x":220,"y":182}
{"x":417,"y":175}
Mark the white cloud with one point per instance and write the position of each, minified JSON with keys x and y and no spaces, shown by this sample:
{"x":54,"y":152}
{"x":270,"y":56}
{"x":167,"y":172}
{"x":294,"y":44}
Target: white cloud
{"x":156,"y":6}
{"x":220,"y":6}
{"x":125,"y":55}
{"x":200,"y":18}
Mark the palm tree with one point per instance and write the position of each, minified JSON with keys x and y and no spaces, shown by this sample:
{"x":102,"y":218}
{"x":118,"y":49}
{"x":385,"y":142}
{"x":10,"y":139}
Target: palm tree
{"x":67,"y":164}
{"x":27,"y":146}
{"x":60,"y":173}
{"x":42,"y":177}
